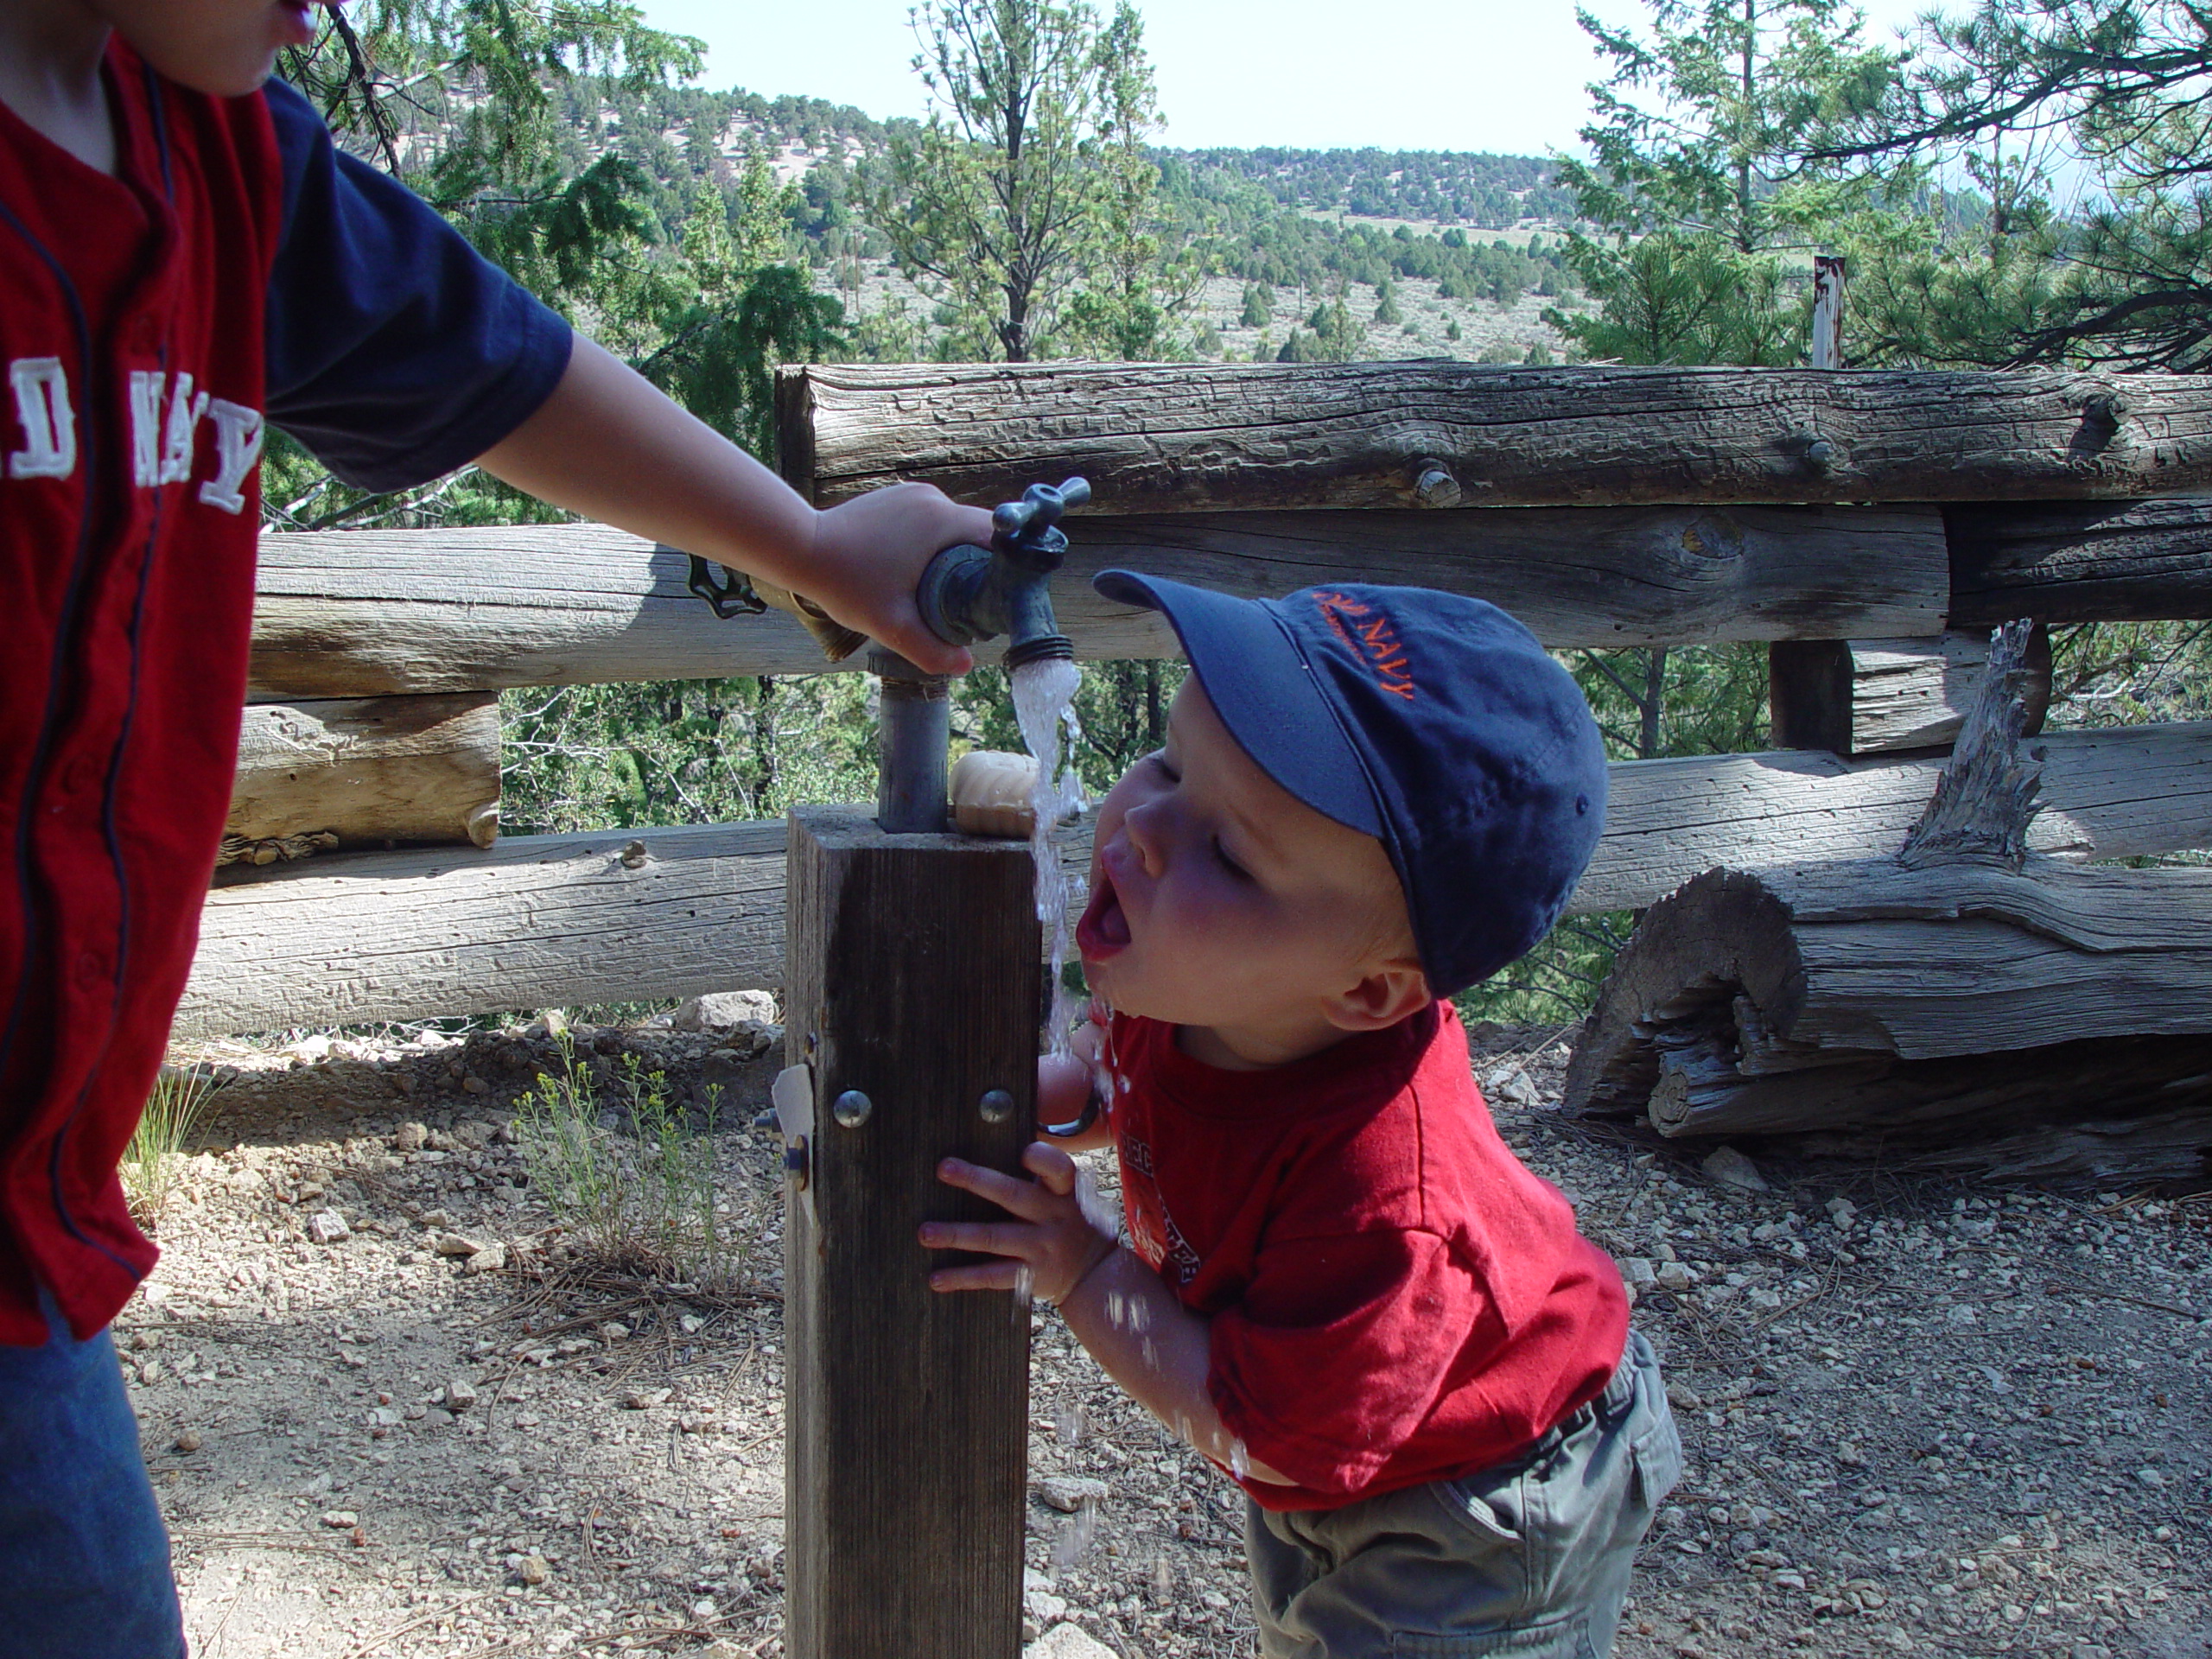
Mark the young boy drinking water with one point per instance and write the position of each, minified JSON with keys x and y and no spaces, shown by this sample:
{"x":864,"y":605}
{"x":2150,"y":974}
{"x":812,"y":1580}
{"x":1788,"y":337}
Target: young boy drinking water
{"x":1340,"y":1285}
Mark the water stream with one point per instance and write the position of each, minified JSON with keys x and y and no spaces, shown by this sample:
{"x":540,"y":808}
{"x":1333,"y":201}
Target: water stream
{"x":1044,"y":706}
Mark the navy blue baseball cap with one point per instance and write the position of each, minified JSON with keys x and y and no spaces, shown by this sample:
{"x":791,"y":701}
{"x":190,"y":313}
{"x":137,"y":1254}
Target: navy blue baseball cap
{"x":1433,"y":722}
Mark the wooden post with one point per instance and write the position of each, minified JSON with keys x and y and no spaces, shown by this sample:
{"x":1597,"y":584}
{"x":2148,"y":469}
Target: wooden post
{"x":1808,"y":681}
{"x":1875,"y":696}
{"x":1827,"y":311}
{"x":912,"y":982}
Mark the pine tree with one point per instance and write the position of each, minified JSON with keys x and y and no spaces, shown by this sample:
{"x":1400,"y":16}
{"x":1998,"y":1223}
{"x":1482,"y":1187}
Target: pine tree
{"x":998,"y":195}
{"x":1701,"y":171}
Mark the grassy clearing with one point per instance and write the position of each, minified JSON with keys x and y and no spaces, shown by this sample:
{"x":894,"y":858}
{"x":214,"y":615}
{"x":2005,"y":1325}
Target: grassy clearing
{"x":634,"y":1178}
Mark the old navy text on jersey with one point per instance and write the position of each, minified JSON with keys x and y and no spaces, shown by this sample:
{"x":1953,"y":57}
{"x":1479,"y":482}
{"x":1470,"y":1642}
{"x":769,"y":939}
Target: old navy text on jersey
{"x":166,"y":414}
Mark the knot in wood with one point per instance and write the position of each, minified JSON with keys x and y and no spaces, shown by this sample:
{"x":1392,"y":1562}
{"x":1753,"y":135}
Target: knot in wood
{"x":2101,"y":412}
{"x":1435,"y":486}
{"x":635,"y":857}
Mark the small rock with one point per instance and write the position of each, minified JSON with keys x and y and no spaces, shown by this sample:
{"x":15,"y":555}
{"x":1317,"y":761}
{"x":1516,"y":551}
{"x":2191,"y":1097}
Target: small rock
{"x":1066,"y":1641}
{"x":490,"y":1259}
{"x":327,"y":1227}
{"x":190,"y":1440}
{"x":1731,"y":1168}
{"x":725,"y":1011}
{"x":474,"y":1084}
{"x":2151,"y":1477}
{"x":645,"y":1398}
{"x":1636,"y":1273}
{"x":613,"y":1331}
{"x":410,"y":1137}
{"x":1842,"y":1211}
{"x":459,"y":1395}
{"x":457,"y":1244}
{"x":534,"y":1570}
{"x":1066,"y":1493}
{"x":150,"y":1372}
{"x":341,"y":1520}
{"x":551,"y":1022}
{"x":1674,"y":1275}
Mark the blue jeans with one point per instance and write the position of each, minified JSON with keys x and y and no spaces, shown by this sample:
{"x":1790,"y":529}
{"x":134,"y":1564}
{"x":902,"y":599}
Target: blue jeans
{"x":1530,"y":1559}
{"x":83,"y":1559}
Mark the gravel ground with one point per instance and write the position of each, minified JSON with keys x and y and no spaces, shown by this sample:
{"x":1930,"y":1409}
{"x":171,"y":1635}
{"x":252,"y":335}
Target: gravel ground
{"x":1919,"y":1417}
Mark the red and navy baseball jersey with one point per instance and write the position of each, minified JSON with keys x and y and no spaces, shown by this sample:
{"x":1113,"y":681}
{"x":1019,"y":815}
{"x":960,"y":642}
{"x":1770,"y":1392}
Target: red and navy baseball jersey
{"x":236,"y":270}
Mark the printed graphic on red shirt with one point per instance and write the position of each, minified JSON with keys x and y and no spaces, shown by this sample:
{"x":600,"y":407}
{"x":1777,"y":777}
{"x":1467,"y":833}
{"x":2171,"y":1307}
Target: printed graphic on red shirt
{"x":167,"y":415}
{"x":1153,"y":1232}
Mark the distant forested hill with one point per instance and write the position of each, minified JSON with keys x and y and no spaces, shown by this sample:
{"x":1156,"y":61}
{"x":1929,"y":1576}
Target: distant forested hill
{"x":1297,"y":219}
{"x":1447,"y":187}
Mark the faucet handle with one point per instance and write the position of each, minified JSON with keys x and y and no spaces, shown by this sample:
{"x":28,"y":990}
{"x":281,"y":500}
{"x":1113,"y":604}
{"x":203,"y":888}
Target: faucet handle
{"x":1031,"y":525}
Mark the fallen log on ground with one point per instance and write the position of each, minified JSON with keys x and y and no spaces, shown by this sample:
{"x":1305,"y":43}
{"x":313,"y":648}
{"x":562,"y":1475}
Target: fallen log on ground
{"x":1863,"y":996}
{"x":559,"y":921}
{"x":1156,"y":437}
{"x":366,"y":770}
{"x":1960,"y":988}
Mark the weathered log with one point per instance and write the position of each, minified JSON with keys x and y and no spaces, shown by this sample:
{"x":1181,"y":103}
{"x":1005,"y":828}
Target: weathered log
{"x":537,"y":921}
{"x":369,"y":769}
{"x":1900,"y":993}
{"x":1589,"y":577}
{"x":361,"y":613}
{"x":369,"y":613}
{"x":2126,"y":793}
{"x":1203,"y":438}
{"x":1859,"y":995}
{"x":1874,"y":696}
{"x":557,"y":920}
{"x":2081,"y":560}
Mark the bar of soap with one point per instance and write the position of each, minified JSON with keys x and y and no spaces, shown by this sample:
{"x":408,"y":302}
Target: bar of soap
{"x":990,"y":793}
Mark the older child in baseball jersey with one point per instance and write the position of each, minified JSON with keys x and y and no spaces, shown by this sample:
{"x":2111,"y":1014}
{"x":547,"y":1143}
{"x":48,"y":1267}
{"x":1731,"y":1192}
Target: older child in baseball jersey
{"x":1340,"y":1284}
{"x":183,"y":257}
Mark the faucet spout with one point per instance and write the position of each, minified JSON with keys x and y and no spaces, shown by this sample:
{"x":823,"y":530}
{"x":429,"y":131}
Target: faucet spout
{"x":970,"y":593}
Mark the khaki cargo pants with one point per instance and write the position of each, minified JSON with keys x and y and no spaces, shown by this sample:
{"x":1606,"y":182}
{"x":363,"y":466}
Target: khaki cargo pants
{"x":1530,"y":1561}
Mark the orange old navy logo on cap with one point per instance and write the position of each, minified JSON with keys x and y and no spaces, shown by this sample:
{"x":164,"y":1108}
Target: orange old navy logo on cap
{"x":1368,"y":634}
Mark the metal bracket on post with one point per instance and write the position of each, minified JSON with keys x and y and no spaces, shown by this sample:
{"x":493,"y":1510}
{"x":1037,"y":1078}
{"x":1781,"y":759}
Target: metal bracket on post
{"x":793,"y":1099}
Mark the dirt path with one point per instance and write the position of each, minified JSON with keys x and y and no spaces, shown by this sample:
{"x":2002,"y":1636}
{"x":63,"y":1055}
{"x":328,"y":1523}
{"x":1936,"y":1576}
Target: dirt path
{"x":1929,"y":1419}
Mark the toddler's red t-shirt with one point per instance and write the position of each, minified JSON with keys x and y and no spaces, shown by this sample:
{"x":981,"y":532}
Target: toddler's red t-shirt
{"x":1394,"y":1298}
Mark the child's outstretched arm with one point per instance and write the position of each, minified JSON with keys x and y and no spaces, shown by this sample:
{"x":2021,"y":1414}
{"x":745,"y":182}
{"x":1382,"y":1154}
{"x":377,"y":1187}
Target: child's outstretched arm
{"x":610,"y":445}
{"x":1120,"y":1309}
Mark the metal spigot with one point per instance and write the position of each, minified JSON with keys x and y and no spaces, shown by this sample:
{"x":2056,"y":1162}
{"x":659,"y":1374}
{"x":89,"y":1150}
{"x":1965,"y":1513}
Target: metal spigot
{"x":970,"y":593}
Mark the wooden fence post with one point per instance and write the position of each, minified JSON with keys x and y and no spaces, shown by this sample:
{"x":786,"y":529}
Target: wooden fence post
{"x":912,"y":993}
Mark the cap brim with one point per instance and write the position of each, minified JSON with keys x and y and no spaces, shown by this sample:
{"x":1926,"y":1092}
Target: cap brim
{"x":1264,"y":691}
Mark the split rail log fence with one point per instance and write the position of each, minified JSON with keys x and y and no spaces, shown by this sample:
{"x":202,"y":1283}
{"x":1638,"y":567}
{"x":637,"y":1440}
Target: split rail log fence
{"x":1849,"y":513}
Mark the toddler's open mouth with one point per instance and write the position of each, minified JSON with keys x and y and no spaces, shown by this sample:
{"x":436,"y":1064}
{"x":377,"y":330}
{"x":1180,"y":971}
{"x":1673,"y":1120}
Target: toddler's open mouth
{"x":1104,"y":930}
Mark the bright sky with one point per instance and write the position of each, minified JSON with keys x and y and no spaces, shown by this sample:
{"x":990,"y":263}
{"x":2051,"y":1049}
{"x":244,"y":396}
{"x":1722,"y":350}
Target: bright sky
{"x":1399,"y":74}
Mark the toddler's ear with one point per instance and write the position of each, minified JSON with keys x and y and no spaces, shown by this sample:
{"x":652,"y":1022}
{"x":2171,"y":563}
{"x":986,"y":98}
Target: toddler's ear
{"x":1387,"y":993}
